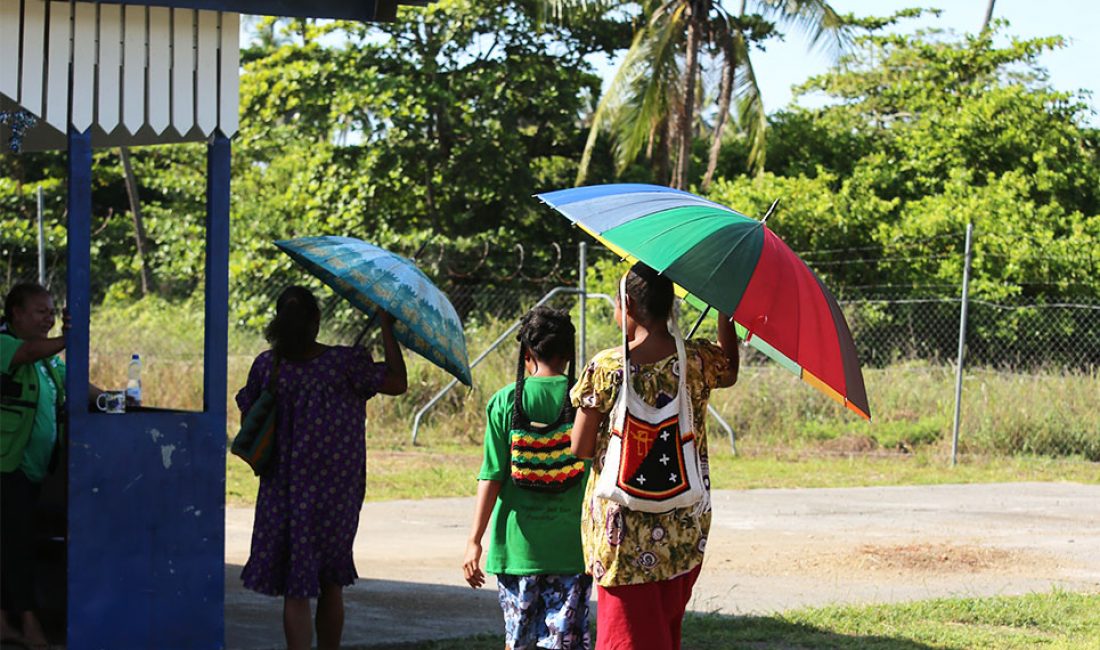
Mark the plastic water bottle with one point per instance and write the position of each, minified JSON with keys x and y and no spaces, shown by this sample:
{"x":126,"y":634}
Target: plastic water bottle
{"x":133,"y":382}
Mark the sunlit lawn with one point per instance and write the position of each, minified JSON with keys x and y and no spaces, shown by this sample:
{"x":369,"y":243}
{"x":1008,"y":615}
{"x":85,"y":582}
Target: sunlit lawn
{"x":445,"y":471}
{"x":1054,"y":621}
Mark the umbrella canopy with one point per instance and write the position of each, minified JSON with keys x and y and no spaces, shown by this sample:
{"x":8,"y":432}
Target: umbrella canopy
{"x":737,"y":265}
{"x":370,"y":277}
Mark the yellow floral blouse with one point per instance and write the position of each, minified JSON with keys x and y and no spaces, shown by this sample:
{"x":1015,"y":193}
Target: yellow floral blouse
{"x":623,"y":546}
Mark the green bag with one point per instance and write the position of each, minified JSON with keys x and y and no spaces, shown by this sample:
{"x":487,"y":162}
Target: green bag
{"x":255,"y":442}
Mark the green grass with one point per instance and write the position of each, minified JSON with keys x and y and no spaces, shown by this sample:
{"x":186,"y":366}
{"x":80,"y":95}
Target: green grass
{"x":420,"y":473}
{"x":1041,"y":426}
{"x":414,"y":474}
{"x":1055,"y":620}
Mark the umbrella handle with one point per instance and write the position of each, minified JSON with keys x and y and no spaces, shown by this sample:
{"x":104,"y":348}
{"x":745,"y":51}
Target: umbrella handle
{"x":770,"y":211}
{"x":698,"y":322}
{"x":366,"y":328}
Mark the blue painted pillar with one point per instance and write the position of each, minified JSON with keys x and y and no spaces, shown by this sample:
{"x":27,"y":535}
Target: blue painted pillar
{"x":217,"y":275}
{"x":147,"y":489}
{"x":78,"y":258}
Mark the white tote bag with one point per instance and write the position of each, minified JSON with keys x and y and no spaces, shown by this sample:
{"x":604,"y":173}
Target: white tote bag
{"x":652,"y":464}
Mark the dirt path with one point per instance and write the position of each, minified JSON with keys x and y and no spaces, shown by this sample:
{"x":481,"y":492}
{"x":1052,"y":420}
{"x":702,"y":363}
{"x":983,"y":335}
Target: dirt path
{"x":769,"y":550}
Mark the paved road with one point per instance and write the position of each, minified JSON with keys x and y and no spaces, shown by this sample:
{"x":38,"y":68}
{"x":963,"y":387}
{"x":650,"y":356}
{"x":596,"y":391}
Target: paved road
{"x":769,"y":550}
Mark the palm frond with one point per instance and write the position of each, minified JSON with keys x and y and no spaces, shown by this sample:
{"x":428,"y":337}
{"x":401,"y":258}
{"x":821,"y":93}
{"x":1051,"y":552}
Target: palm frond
{"x":611,"y":100}
{"x":816,"y":19}
{"x":653,"y":88}
{"x":751,"y":117}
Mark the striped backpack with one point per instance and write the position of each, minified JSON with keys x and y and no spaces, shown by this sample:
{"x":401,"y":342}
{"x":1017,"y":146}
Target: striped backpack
{"x":541,"y":458}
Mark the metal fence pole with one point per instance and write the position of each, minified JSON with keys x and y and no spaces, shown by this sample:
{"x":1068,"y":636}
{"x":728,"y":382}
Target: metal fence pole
{"x":583,"y":285}
{"x":41,"y":240}
{"x":473,"y":364}
{"x":962,"y":345}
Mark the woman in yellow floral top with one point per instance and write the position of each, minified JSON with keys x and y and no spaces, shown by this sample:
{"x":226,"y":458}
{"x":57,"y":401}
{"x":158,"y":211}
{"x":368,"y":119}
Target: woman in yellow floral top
{"x":645,"y":564}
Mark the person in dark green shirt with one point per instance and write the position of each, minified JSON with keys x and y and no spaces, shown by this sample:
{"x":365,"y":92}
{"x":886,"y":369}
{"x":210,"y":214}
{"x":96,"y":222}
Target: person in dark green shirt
{"x":531,"y":486}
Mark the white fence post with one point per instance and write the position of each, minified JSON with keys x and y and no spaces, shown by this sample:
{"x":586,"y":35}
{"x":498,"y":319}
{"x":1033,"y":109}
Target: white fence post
{"x":41,"y":240}
{"x":962,"y":345}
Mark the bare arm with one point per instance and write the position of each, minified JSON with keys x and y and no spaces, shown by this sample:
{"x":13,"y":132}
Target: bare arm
{"x":396,"y":381}
{"x":727,"y":340}
{"x":586,"y":425}
{"x":37,"y":349}
{"x":487,"y":493}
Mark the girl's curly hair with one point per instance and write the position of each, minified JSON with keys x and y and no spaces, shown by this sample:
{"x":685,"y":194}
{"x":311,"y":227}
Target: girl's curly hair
{"x":548,"y":333}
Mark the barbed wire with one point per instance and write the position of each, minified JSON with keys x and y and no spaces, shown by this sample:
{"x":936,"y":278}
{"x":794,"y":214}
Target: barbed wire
{"x":878,"y":247}
{"x":880,"y":260}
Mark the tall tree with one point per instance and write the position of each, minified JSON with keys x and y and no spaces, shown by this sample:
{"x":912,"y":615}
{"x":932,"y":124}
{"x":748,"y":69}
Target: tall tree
{"x":653,"y":92}
{"x":140,"y":240}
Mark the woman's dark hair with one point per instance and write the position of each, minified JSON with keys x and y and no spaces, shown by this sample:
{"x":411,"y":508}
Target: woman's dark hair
{"x":547,"y":333}
{"x":294,"y":327}
{"x":650,"y":293}
{"x":18,"y":295}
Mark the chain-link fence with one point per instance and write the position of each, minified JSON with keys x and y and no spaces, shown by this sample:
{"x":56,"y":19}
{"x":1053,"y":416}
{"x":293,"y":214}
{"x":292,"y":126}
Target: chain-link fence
{"x":1030,"y":381}
{"x":1030,"y":369}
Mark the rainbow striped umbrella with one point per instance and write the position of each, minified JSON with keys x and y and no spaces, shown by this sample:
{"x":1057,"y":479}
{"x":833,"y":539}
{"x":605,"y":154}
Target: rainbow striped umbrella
{"x":735,"y":264}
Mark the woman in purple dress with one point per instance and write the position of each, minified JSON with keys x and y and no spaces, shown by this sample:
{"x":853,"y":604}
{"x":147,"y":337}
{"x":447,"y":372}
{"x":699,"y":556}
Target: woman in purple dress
{"x":307,"y":510}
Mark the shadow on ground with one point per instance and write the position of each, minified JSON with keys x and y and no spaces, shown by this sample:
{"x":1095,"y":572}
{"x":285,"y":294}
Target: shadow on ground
{"x":719,"y":631}
{"x":395,"y":615}
{"x":714,"y":632}
{"x":377,"y":613}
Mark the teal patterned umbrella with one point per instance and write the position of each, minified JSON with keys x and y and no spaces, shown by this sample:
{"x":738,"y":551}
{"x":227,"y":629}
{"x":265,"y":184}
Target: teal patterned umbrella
{"x":370,"y":277}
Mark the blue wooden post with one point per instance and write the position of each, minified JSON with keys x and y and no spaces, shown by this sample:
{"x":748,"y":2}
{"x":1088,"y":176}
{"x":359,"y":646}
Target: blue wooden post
{"x":217,"y":274}
{"x":147,"y":489}
{"x":78,"y":252}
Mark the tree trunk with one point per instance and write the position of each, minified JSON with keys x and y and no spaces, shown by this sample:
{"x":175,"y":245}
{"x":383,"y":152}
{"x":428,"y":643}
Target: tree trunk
{"x":661,"y":148}
{"x":988,"y":16}
{"x":687,"y":115}
{"x":139,"y":225}
{"x":725,"y":93}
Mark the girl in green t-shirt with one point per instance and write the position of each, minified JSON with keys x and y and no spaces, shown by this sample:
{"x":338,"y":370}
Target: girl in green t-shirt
{"x":532,"y":486}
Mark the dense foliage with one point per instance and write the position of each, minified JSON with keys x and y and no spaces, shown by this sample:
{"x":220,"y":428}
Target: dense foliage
{"x":444,"y":124}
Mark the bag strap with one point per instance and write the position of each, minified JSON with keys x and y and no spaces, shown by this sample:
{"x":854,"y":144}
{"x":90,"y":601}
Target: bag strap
{"x":681,"y":357}
{"x":520,"y":419}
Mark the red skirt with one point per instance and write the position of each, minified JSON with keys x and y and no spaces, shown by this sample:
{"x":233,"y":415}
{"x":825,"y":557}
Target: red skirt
{"x":648,"y":616}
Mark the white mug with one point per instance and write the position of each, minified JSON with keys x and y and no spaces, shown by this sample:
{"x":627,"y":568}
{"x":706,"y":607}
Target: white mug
{"x":111,"y":401}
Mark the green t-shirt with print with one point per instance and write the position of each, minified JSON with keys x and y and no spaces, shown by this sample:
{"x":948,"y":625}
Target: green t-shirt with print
{"x":531,"y":532}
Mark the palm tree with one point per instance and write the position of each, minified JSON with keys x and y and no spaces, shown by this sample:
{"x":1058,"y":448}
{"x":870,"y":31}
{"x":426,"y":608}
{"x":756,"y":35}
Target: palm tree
{"x":652,"y":100}
{"x":988,"y":15}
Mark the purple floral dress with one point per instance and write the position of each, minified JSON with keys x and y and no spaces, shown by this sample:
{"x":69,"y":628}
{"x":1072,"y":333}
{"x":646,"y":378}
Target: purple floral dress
{"x":308,"y":506}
